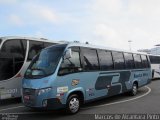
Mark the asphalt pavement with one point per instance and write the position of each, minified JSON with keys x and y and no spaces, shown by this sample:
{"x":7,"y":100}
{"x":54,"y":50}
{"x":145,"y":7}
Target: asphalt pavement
{"x":146,"y":102}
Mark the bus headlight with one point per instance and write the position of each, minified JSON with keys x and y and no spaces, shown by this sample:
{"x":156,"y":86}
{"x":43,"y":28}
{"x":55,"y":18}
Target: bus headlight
{"x":44,"y":90}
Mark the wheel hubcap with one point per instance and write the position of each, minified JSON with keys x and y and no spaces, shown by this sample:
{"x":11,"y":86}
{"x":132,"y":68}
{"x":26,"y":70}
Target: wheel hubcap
{"x":134,"y":89}
{"x":74,"y":105}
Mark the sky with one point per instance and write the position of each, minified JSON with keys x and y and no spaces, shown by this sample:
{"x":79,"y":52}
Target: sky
{"x":110,"y":23}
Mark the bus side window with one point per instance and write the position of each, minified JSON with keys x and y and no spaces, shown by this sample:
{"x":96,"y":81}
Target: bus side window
{"x":118,"y":60}
{"x":90,"y":59}
{"x":105,"y":59}
{"x":15,"y":46}
{"x":151,"y":59}
{"x":71,"y":65}
{"x":34,"y":49}
{"x":129,"y":60}
{"x":137,"y":60}
{"x":14,"y":51}
{"x":157,"y":60}
{"x":145,"y":61}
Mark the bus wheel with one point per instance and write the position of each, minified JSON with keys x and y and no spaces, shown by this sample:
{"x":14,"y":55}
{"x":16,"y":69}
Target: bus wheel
{"x":73,"y":104}
{"x":134,"y":90}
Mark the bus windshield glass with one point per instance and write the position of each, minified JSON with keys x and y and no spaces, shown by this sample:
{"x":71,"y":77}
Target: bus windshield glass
{"x":0,"y":41}
{"x":45,"y":63}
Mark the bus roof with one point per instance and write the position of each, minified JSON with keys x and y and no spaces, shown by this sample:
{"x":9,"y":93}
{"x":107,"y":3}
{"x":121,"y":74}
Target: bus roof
{"x":30,"y":38}
{"x":70,"y":43}
{"x":101,"y":47}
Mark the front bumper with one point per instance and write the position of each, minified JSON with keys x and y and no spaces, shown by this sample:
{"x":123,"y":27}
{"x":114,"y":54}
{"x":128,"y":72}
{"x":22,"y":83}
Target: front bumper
{"x":45,"y":101}
{"x":50,"y":104}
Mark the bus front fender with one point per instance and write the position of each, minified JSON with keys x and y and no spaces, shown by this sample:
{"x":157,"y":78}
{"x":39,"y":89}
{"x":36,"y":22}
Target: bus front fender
{"x":74,"y":91}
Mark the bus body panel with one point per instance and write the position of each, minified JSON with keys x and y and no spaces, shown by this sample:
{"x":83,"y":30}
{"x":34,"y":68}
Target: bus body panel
{"x":10,"y":88}
{"x":92,"y":84}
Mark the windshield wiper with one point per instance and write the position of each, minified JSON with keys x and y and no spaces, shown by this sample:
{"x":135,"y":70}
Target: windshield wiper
{"x":40,"y":69}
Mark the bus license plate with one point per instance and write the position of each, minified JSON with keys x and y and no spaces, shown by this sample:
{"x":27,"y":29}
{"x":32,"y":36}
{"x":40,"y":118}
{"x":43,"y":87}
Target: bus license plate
{"x":26,"y":97}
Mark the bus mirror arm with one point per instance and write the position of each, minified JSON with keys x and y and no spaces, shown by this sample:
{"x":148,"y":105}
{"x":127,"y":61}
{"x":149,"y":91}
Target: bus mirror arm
{"x":68,"y":54}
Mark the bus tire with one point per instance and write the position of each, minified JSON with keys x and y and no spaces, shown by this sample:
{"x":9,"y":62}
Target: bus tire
{"x":152,"y":74}
{"x":73,"y":104}
{"x":134,"y":89}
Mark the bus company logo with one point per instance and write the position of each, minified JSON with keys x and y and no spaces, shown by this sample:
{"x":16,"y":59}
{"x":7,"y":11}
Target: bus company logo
{"x":137,"y":75}
{"x":75,"y":82}
{"x":140,"y":75}
{"x":62,"y":89}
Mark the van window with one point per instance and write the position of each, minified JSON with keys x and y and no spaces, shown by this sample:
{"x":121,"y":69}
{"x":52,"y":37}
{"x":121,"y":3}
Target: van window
{"x":90,"y":59}
{"x":71,"y":65}
{"x":129,"y":60}
{"x":12,"y":57}
{"x":118,"y":60}
{"x":145,"y":61}
{"x":105,"y":59}
{"x":137,"y":60}
{"x":34,"y":49}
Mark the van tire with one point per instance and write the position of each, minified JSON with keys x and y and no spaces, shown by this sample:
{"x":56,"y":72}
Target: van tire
{"x":134,"y":89}
{"x":73,"y":104}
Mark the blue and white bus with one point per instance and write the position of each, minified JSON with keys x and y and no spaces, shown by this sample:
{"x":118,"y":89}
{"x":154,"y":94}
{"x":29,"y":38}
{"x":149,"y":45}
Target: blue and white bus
{"x":68,"y":75}
{"x":16,"y":54}
{"x":155,"y":65}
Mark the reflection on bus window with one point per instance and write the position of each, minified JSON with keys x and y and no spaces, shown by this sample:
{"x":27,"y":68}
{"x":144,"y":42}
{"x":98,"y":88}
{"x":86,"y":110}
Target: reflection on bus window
{"x":12,"y":58}
{"x":45,"y":63}
{"x":145,"y":61}
{"x":105,"y":59}
{"x":118,"y":60}
{"x":90,"y":59}
{"x":70,"y":65}
{"x":129,"y":60}
{"x":137,"y":60}
{"x":34,"y":49}
{"x":154,"y":59}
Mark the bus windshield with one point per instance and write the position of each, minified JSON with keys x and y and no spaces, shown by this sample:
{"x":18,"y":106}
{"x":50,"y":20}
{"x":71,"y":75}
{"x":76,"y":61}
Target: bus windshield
{"x":0,"y":41}
{"x":45,"y":63}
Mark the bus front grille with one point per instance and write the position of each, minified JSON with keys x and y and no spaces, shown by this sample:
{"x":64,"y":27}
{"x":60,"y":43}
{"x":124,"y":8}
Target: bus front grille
{"x":28,"y":91}
{"x":29,"y":96}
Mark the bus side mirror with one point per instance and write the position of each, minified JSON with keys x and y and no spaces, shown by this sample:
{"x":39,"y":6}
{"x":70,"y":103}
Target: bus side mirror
{"x":68,"y":54}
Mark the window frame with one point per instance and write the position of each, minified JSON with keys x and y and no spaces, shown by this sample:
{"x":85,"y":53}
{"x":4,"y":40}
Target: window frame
{"x":135,"y":62}
{"x":107,"y":51}
{"x":16,"y":59}
{"x":147,"y":62}
{"x":82,"y":58}
{"x":124,"y":67}
{"x":29,"y":59}
{"x":75,"y":49}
